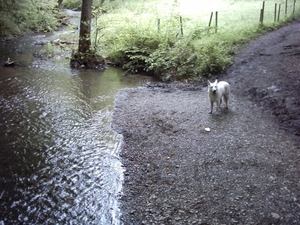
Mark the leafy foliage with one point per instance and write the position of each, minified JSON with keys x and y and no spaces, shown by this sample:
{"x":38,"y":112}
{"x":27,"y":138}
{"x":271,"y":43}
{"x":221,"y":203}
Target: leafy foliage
{"x":172,"y":40}
{"x":72,"y":4}
{"x":160,"y":37}
{"x":143,"y":36}
{"x":17,"y":17}
{"x":165,"y":54}
{"x":183,"y":60}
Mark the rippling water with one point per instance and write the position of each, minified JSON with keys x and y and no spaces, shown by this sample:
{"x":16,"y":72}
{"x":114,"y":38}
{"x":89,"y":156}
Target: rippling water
{"x":59,"y":156}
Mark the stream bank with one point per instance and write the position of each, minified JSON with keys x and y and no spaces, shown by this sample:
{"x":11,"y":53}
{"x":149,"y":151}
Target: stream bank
{"x":244,"y":171}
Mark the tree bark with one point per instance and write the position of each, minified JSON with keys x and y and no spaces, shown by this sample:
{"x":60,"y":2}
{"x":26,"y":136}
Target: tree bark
{"x":59,"y":3}
{"x":85,"y":57}
{"x":85,"y":27}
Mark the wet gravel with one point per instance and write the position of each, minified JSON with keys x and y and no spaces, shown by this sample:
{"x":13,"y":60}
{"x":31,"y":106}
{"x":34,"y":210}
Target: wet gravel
{"x":245,"y":170}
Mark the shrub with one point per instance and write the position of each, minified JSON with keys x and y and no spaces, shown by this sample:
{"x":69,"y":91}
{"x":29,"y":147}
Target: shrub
{"x":184,"y":60}
{"x":177,"y":61}
{"x":131,"y":47}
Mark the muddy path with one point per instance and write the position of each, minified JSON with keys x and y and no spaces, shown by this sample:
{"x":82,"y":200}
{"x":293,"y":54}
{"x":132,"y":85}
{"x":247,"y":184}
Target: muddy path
{"x":245,"y":170}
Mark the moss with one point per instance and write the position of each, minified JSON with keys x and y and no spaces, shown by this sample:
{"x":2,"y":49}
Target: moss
{"x":89,"y":60}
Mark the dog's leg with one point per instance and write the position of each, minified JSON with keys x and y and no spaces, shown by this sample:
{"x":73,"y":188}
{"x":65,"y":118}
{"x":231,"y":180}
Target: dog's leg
{"x":218,"y":104}
{"x":211,"y":107}
{"x":226,"y":101}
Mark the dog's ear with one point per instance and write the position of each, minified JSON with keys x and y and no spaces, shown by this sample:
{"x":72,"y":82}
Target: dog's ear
{"x":216,"y":81}
{"x":208,"y":82}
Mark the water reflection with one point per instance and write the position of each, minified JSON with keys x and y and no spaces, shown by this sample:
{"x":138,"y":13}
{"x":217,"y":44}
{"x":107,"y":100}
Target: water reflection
{"x":59,"y":156}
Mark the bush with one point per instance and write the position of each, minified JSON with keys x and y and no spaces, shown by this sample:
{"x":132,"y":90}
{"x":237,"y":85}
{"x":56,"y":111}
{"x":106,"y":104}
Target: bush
{"x":214,"y":58}
{"x":184,"y":60}
{"x":141,"y":49}
{"x":178,"y":61}
{"x":132,"y":46}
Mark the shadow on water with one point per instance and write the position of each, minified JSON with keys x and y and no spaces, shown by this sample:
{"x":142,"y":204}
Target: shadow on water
{"x":59,"y":156}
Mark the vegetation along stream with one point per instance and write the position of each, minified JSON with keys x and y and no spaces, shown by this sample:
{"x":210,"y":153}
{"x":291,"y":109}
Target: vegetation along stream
{"x":60,"y":161}
{"x":59,"y":156}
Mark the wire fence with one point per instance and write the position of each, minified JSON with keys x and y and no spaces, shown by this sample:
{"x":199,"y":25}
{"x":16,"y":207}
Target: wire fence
{"x":269,"y":13}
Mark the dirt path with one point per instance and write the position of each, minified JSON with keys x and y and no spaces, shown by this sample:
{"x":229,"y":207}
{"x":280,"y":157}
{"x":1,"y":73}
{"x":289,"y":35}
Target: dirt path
{"x":244,"y":171}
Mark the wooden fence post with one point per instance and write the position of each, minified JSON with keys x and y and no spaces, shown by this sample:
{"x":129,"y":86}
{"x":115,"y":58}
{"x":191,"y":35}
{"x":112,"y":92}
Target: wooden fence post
{"x":158,"y":25}
{"x":278,"y":16}
{"x":294,"y":7}
{"x":216,"y":29}
{"x":181,"y":27}
{"x":275,"y":12}
{"x":262,"y":12}
{"x":286,"y":6}
{"x":210,"y":19}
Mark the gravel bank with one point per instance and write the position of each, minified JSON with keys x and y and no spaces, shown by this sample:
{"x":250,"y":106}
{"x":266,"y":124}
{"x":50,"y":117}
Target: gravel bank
{"x":245,"y":170}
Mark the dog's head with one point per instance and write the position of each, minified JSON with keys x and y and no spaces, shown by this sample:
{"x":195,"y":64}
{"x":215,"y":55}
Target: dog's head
{"x":212,"y":87}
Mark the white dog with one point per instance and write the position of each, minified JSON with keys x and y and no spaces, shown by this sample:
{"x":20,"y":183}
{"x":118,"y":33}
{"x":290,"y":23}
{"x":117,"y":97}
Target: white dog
{"x":215,"y":93}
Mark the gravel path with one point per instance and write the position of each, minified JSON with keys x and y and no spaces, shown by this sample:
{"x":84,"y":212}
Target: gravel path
{"x":245,"y":170}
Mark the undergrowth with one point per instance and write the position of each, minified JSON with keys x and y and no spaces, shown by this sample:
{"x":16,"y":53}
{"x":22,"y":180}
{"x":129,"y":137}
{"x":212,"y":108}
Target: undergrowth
{"x":166,"y":39}
{"x":171,"y":39}
{"x":18,"y":17}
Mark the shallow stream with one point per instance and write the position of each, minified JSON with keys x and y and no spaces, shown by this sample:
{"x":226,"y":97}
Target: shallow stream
{"x":59,"y":156}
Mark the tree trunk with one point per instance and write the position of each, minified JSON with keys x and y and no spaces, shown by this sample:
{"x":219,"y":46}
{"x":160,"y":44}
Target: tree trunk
{"x":59,"y":3}
{"x":85,"y":27}
{"x":86,"y":57}
{"x":101,"y":2}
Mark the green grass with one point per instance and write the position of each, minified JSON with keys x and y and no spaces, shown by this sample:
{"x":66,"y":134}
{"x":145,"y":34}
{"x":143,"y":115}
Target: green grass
{"x":128,"y":34}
